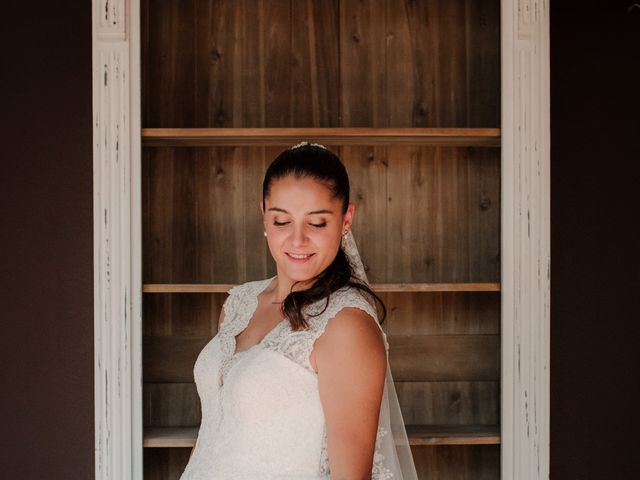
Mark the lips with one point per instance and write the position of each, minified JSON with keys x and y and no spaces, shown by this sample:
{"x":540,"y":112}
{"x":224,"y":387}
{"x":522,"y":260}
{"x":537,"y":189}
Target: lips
{"x":302,"y":257}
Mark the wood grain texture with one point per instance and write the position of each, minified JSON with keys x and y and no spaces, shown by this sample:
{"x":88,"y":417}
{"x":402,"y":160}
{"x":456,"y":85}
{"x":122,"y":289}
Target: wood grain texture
{"x":413,"y":358}
{"x":170,"y":437}
{"x":425,"y":403}
{"x":477,"y":462}
{"x":444,"y":357}
{"x":187,"y":236}
{"x":202,"y":137}
{"x":171,"y":405}
{"x":526,"y":239}
{"x":437,"y":206}
{"x":453,"y":434}
{"x":412,"y":313}
{"x":184,"y":315}
{"x":337,"y":63}
{"x":170,"y":61}
{"x":117,"y":315}
{"x":449,"y":402}
{"x":443,"y":211}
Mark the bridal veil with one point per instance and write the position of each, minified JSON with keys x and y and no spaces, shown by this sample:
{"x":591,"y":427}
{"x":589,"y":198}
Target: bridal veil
{"x":397,"y":462}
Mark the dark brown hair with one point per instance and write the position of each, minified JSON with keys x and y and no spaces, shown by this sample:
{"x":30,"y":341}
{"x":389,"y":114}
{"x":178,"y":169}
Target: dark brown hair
{"x":319,"y":163}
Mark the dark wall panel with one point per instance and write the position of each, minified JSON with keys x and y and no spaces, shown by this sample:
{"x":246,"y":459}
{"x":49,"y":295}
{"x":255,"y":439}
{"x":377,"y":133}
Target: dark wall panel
{"x":46,"y":266}
{"x":595,"y":110}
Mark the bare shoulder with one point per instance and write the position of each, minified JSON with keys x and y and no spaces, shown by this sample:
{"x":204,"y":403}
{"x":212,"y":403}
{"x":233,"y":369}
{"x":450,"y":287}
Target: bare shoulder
{"x":354,"y":328}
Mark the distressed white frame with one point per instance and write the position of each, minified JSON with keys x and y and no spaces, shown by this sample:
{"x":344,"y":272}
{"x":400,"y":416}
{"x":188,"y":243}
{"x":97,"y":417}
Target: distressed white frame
{"x":525,"y":239}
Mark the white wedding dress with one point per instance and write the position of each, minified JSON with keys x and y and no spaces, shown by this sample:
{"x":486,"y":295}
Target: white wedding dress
{"x":261,"y":411}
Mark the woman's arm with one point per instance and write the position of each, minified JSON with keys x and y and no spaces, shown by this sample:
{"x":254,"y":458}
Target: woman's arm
{"x":351,"y":362}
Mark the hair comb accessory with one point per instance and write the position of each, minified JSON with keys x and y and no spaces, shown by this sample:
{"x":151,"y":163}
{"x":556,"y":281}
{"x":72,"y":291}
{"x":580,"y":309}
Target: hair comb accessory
{"x":305,"y":143}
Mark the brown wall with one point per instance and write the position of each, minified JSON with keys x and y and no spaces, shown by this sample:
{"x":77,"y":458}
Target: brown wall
{"x":46,"y":352}
{"x":46,"y":336}
{"x":595,"y":339}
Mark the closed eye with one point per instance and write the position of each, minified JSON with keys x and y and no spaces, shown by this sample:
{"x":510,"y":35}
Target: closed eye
{"x":317,"y":225}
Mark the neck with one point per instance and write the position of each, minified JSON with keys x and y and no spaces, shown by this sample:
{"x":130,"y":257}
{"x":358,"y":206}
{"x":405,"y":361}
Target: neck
{"x":281,"y":286}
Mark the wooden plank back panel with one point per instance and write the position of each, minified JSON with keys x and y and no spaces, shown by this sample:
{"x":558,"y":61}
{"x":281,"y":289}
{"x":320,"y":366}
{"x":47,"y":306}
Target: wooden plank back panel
{"x":165,"y":463}
{"x":201,"y":220}
{"x":478,"y":462}
{"x":367,"y":168}
{"x":422,"y":403}
{"x":444,"y":313}
{"x":413,"y":358}
{"x":337,"y":63}
{"x":444,"y":357}
{"x":449,"y":402}
{"x":362,"y":63}
{"x":457,"y":462}
{"x":171,"y":405}
{"x":169,"y":62}
{"x":423,"y":214}
{"x":191,"y":320}
{"x":443,"y":211}
{"x":181,"y":315}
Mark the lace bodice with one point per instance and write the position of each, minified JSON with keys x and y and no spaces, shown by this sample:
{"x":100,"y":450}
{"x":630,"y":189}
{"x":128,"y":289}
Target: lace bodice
{"x":261,"y":411}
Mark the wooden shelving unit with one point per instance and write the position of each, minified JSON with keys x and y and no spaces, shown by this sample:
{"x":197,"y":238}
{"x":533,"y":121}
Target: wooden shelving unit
{"x":205,"y":137}
{"x":377,"y":287}
{"x":185,"y":437}
{"x":412,"y":117}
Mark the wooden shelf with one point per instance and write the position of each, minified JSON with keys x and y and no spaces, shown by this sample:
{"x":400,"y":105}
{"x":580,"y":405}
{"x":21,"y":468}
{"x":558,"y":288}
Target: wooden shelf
{"x":185,"y":437}
{"x":377,"y":287}
{"x":453,"y":434}
{"x":170,"y":437}
{"x":204,"y":137}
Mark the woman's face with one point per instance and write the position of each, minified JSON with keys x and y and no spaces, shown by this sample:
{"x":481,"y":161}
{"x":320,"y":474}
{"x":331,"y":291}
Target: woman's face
{"x":304,"y":226}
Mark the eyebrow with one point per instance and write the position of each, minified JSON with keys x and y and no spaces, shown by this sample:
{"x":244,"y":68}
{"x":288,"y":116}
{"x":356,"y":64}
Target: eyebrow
{"x":315,"y":212}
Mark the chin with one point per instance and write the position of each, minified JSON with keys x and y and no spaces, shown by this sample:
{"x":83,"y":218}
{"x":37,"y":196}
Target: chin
{"x":300,"y":276}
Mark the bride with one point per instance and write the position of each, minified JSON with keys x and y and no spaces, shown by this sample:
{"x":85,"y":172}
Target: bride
{"x":296,"y":383}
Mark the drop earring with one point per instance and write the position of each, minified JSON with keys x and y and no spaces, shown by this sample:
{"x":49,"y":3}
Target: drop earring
{"x":265,"y":234}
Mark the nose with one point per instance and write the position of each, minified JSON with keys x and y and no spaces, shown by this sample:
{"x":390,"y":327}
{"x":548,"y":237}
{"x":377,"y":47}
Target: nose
{"x":298,"y":236}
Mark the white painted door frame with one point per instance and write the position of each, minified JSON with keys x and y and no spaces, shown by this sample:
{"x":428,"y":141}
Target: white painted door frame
{"x":525,"y":239}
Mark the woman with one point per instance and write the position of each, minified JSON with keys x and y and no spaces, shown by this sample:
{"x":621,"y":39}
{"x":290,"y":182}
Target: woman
{"x":296,"y":382}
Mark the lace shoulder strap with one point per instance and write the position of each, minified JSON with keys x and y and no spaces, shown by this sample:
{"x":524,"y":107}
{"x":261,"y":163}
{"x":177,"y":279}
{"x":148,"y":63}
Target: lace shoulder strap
{"x":345,"y":297}
{"x":242,"y":298}
{"x":232,"y":303}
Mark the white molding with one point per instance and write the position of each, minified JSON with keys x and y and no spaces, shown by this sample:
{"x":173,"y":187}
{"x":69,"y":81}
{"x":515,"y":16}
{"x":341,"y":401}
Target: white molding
{"x":525,"y":242}
{"x":117,"y":240}
{"x":525,"y":247}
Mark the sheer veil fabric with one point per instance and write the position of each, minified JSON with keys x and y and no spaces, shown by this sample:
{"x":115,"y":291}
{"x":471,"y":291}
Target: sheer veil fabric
{"x":396,"y":460}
